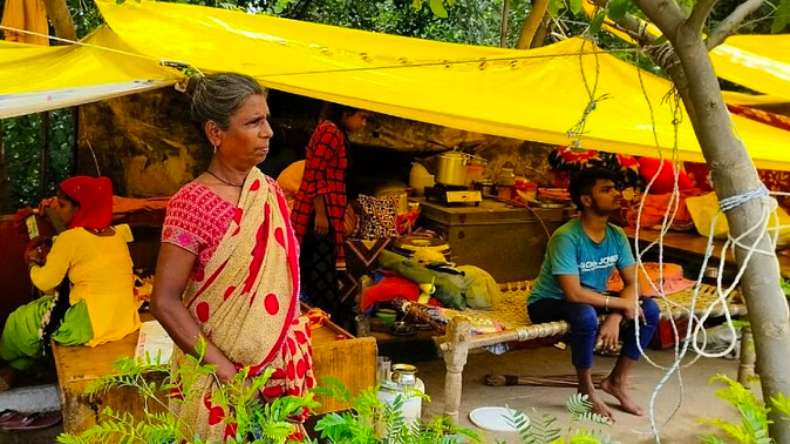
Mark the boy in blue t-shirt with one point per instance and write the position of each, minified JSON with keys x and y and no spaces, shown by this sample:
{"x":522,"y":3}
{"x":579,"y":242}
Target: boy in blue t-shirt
{"x":572,"y":286}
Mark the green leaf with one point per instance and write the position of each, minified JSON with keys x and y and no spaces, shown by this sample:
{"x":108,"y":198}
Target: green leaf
{"x":417,"y":4}
{"x":437,"y":6}
{"x":596,"y":23}
{"x":555,"y":6}
{"x":576,"y":6}
{"x":782,"y":17}
{"x":661,"y":40}
{"x":618,"y":8}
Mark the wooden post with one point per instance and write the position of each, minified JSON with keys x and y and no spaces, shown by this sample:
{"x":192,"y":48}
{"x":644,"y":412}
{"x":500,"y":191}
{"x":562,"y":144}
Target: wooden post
{"x":748,"y":357}
{"x":459,"y":333}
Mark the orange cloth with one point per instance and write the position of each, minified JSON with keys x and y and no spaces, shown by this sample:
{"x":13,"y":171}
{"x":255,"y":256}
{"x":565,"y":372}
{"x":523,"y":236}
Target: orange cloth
{"x":674,"y":281}
{"x":126,"y":205}
{"x":28,"y":15}
{"x":655,"y":208}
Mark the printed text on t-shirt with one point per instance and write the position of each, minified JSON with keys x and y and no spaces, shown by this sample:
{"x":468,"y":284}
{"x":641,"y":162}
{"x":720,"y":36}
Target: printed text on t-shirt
{"x":604,"y":262}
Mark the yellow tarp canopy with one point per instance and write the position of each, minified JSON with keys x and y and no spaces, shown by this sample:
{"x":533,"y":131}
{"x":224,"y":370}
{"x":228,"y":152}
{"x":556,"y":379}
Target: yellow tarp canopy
{"x":39,"y":78}
{"x":536,"y":95}
{"x":758,"y":62}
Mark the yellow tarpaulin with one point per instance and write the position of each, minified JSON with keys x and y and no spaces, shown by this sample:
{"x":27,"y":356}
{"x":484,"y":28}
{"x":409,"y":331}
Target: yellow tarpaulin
{"x":534,"y":95}
{"x":758,"y":62}
{"x":36,"y":78}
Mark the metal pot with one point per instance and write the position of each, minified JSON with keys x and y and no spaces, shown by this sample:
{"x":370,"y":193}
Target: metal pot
{"x":404,"y":374}
{"x":452,"y":169}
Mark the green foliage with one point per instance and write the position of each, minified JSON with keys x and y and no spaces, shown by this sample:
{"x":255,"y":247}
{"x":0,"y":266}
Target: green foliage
{"x":22,"y":137}
{"x":374,"y":421}
{"x":543,"y":429}
{"x":255,"y":422}
{"x":753,"y":428}
{"x":782,"y":17}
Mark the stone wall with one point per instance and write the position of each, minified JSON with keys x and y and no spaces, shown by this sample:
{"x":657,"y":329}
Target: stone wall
{"x":148,"y":146}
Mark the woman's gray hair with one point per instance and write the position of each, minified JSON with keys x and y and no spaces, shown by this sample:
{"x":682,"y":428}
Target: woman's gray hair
{"x":217,"y":97}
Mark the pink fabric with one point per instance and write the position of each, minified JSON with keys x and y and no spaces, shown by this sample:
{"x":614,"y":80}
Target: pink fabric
{"x":196,"y":220}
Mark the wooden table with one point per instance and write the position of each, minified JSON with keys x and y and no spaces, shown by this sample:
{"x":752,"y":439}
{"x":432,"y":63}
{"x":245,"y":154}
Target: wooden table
{"x":691,"y":243}
{"x":351,"y":360}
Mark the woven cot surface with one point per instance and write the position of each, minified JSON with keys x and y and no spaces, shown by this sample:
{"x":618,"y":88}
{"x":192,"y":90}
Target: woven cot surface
{"x":511,"y":312}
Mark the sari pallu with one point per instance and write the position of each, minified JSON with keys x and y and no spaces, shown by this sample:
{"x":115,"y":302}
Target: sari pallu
{"x":247,"y":307}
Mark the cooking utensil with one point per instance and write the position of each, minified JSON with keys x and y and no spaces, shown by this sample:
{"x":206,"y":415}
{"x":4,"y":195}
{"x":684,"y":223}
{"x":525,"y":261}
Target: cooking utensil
{"x":404,"y":374}
{"x":452,"y":169}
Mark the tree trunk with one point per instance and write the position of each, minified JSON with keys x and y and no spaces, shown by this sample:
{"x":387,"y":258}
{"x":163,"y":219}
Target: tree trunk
{"x":6,"y":206}
{"x":542,"y":32}
{"x":532,"y":23}
{"x":505,"y":23}
{"x":733,"y":173}
{"x":58,"y":12}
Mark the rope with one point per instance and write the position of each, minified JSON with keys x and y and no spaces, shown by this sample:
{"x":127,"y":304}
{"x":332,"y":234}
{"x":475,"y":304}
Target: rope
{"x":577,"y":131}
{"x":696,"y":323}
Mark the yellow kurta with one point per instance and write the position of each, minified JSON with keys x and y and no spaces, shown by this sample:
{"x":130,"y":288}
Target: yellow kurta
{"x":100,"y":269}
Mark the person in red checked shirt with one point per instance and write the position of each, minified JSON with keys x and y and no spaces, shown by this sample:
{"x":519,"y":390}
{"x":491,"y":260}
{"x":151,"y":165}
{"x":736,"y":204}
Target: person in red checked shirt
{"x":320,"y":208}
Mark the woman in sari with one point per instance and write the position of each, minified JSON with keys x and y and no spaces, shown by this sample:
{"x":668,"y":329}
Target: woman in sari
{"x":89,"y":268}
{"x":228,"y":269}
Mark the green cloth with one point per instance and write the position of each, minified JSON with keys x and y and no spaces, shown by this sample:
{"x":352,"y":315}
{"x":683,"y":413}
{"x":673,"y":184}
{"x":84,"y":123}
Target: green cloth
{"x":20,"y":345}
{"x":482,"y":291}
{"x":449,"y":287}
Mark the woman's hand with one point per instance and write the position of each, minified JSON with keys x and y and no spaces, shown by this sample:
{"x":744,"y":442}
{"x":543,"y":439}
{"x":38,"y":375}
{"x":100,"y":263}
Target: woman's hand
{"x":37,"y":251}
{"x":226,"y":371}
{"x":321,"y":223}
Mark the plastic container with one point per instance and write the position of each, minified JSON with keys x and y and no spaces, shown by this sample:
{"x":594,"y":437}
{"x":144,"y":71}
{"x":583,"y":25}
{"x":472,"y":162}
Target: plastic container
{"x":419,"y":179}
{"x":474,"y":173}
{"x":412,"y":406}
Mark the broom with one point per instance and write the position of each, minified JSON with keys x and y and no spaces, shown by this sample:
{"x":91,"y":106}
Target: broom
{"x":543,"y":381}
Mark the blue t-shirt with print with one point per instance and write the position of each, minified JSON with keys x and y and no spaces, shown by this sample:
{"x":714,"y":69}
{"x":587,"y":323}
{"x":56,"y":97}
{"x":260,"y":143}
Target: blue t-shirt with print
{"x":571,"y":251}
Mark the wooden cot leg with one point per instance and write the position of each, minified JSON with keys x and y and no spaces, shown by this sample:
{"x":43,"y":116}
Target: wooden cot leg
{"x":748,"y":357}
{"x":458,"y":334}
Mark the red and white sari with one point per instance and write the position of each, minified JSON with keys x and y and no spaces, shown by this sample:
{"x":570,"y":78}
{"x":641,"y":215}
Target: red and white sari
{"x":243,"y":293}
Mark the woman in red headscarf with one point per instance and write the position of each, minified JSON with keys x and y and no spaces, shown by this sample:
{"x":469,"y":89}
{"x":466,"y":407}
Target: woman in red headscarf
{"x":89,"y":271}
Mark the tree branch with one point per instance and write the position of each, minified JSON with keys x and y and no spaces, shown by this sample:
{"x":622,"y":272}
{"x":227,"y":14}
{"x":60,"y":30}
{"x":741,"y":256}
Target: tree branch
{"x":699,"y":15}
{"x":665,"y":14}
{"x":728,"y":25}
{"x":532,"y":23}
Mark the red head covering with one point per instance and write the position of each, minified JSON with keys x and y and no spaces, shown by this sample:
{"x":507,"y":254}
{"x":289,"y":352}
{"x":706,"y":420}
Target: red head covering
{"x":94,"y":195}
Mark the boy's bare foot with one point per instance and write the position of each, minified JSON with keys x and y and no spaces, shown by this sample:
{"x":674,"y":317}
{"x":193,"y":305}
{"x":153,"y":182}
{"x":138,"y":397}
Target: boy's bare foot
{"x":620,"y":392}
{"x":598,"y":406}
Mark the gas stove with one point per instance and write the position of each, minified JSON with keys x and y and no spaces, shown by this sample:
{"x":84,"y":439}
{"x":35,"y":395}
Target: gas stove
{"x":452,"y":194}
